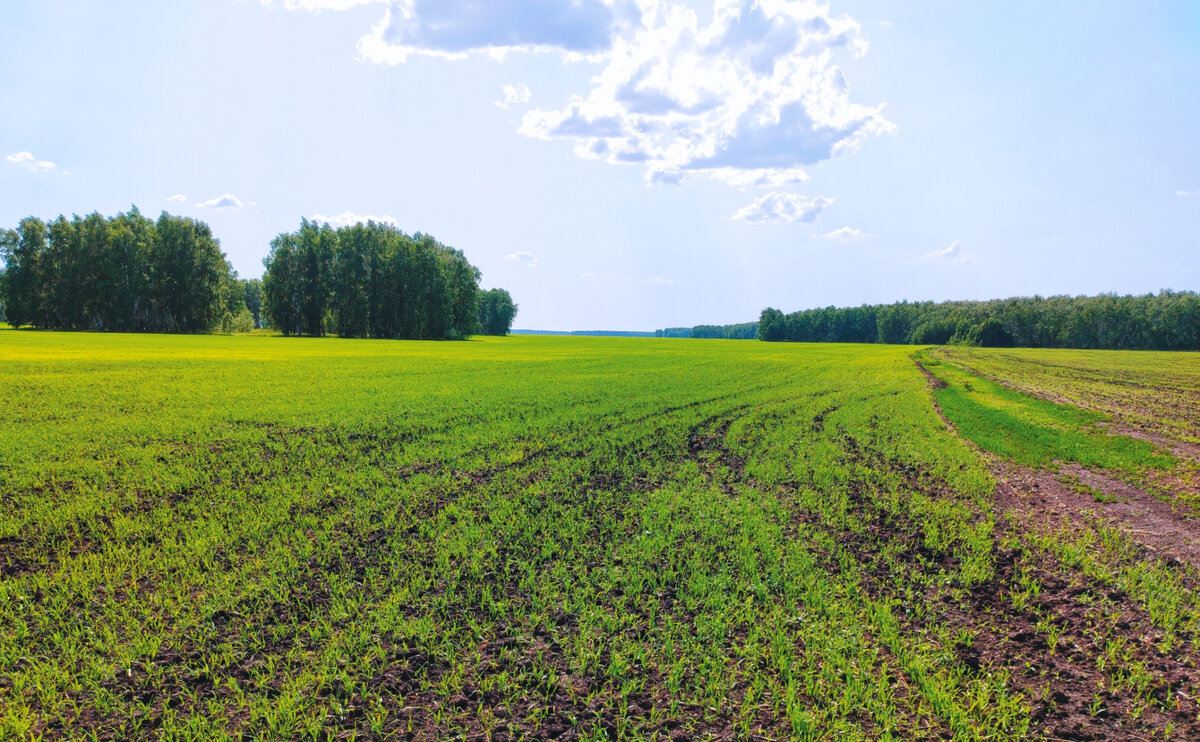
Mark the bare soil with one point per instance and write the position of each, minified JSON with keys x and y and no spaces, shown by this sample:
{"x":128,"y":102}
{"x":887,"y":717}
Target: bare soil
{"x":1150,"y":522}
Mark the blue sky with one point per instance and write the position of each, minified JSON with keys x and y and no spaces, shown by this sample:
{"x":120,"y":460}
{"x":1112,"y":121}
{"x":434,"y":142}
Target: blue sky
{"x":635,"y":164}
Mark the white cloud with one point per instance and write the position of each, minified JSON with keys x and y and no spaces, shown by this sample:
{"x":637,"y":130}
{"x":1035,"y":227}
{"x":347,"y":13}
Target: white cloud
{"x":28,"y":160}
{"x":455,"y":28}
{"x":771,"y":177}
{"x":659,"y":280}
{"x":518,"y":93}
{"x":786,"y":207}
{"x":350,"y":218}
{"x":228,"y":202}
{"x":1187,"y":193}
{"x":954,"y":254}
{"x":886,"y":24}
{"x":523,"y":256}
{"x":844,"y":234}
{"x":178,"y":198}
{"x":751,"y":97}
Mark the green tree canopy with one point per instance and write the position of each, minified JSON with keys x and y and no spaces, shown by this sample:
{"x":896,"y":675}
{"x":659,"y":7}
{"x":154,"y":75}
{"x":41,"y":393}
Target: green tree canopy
{"x":369,"y":280}
{"x":496,"y":312}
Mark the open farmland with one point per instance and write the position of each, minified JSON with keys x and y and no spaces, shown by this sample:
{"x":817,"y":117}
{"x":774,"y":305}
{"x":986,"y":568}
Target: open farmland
{"x":590,"y":538}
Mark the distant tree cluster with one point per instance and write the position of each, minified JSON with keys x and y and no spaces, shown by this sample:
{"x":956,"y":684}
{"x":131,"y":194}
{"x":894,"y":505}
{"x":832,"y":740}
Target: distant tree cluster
{"x":373,"y":281}
{"x":496,"y":312}
{"x":674,"y":332}
{"x":1168,"y":320}
{"x":743,"y":331}
{"x":125,"y":273}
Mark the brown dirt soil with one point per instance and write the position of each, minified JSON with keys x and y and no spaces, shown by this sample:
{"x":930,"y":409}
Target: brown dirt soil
{"x":934,"y":382}
{"x":1179,"y":449}
{"x":12,"y":565}
{"x":1070,"y":695}
{"x":1150,"y":522}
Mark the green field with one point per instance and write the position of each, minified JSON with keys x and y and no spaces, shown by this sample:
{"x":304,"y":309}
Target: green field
{"x":585,"y":538}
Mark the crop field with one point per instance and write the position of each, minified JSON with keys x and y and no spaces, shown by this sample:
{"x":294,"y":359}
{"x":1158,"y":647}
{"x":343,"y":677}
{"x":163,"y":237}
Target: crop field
{"x":594,"y":539}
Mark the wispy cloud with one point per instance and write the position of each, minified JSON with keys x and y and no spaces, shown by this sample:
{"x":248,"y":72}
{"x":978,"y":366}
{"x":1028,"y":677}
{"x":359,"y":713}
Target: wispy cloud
{"x":523,"y":256}
{"x":315,"y":6}
{"x":660,"y":281}
{"x":28,"y":160}
{"x":513,"y":94}
{"x":844,"y":234}
{"x":224,"y":202}
{"x":1187,"y":193}
{"x":784,"y":207}
{"x":178,"y":198}
{"x":953,"y":254}
{"x":350,"y":218}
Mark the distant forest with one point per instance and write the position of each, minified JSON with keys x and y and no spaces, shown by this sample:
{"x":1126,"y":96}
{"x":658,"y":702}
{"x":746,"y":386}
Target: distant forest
{"x":1168,"y":320}
{"x":743,"y":331}
{"x":129,"y":273}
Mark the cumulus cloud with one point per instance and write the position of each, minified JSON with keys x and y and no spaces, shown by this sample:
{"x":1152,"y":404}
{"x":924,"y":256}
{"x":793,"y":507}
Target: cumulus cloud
{"x":350,"y":218}
{"x":226,"y":202}
{"x":844,"y":234}
{"x":178,"y":198}
{"x":28,"y":160}
{"x":954,"y":254}
{"x":750,"y":97}
{"x":513,"y":94}
{"x":523,"y":256}
{"x":785,"y":207}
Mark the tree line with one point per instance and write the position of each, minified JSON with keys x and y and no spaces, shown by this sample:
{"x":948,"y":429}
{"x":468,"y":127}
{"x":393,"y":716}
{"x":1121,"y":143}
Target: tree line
{"x":129,"y":273}
{"x":741,"y":331}
{"x":373,"y":280}
{"x":1168,"y":320}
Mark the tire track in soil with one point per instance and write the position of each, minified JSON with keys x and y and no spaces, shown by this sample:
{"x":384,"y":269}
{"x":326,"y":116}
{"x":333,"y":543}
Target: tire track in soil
{"x":1060,"y":686}
{"x":906,"y":700}
{"x":305,"y":602}
{"x":1071,"y":698}
{"x":1147,"y":521}
{"x":568,"y":697}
